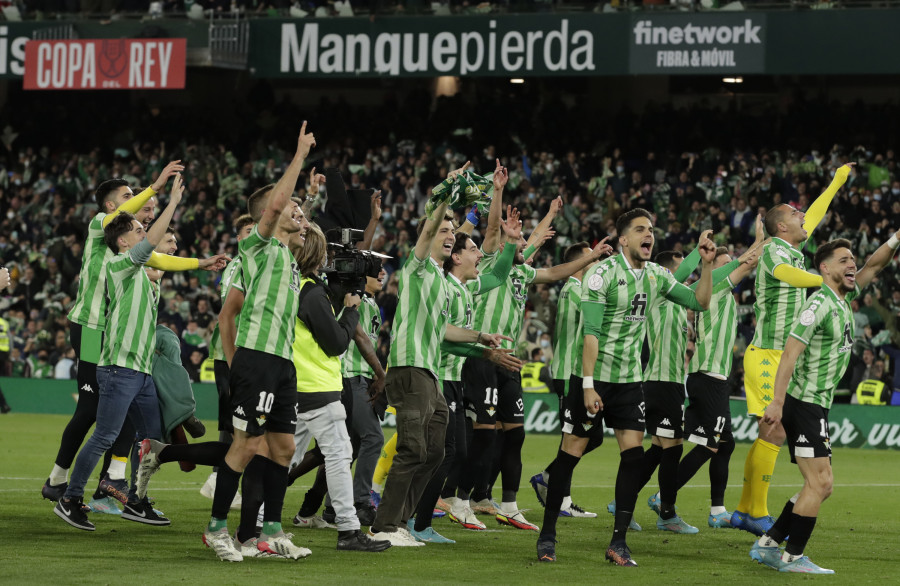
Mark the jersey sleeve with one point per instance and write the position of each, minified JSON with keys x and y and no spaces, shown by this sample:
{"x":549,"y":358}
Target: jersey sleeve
{"x":141,"y":253}
{"x":811,"y":316}
{"x":594,"y":288}
{"x":853,"y":294}
{"x":772,"y":256}
{"x":665,"y":281}
{"x":528,"y":273}
{"x":415,"y":265}
{"x":237,"y":278}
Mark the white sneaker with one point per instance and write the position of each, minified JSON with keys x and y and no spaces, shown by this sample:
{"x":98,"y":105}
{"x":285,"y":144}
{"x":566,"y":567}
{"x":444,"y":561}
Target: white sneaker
{"x":249,"y":548}
{"x":149,"y":464}
{"x":222,"y":543}
{"x":447,"y":504}
{"x":314,"y":522}
{"x":208,"y":489}
{"x":465,"y":516}
{"x":408,"y":535}
{"x":398,"y":538}
{"x":281,"y":545}
{"x":574,"y":510}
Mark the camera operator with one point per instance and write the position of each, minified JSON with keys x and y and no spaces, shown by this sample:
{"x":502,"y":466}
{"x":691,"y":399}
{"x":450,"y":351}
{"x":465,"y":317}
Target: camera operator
{"x":319,"y":340}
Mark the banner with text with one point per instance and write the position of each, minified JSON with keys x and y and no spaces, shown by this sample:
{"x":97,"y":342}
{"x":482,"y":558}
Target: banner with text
{"x":515,"y":45}
{"x":701,"y":43}
{"x":105,"y":64}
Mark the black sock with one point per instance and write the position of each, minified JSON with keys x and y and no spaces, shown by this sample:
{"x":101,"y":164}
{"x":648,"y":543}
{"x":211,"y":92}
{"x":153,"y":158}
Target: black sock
{"x":782,"y":526}
{"x":560,"y":477}
{"x":226,"y":488}
{"x":718,"y":474}
{"x":691,"y":463}
{"x":801,"y":528}
{"x":651,"y":460}
{"x":275,"y":479}
{"x":668,"y":480}
{"x":627,"y":487}
{"x":312,"y":459}
{"x":513,"y":440}
{"x":251,"y":497}
{"x":475,"y":475}
{"x":204,"y":454}
{"x":495,"y":464}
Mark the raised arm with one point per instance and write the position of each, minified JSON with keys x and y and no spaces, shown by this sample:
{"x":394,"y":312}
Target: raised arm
{"x":281,"y":193}
{"x":537,"y":237}
{"x":879,"y":259}
{"x":133,"y":205}
{"x":158,"y":229}
{"x":374,"y":218}
{"x":564,"y":271}
{"x":817,"y":209}
{"x":492,"y":235}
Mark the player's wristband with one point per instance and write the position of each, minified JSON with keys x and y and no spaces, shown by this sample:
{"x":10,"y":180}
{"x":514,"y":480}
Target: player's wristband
{"x":894,"y":242}
{"x":587,"y":382}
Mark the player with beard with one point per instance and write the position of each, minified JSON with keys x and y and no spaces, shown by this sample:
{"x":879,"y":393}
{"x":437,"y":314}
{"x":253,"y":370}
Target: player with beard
{"x":815,"y":359}
{"x":779,"y":288}
{"x":88,"y":320}
{"x":502,"y":403}
{"x":615,"y":296}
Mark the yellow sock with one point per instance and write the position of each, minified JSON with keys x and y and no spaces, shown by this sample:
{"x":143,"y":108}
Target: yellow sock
{"x":384,"y":462}
{"x":762,"y":467}
{"x":746,"y":491}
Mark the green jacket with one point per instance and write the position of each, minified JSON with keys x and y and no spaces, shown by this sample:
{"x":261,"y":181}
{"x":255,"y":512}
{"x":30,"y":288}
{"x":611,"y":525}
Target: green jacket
{"x":173,"y":386}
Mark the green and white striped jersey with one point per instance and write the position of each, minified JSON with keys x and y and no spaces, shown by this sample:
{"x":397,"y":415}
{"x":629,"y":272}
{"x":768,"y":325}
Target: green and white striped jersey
{"x":502,"y":310}
{"x":716,"y":331}
{"x":777,"y":303}
{"x":89,"y":309}
{"x":825,"y":325}
{"x":422,"y":313}
{"x":624,"y":297}
{"x":461,"y":302}
{"x":231,"y":277}
{"x":272,"y":285}
{"x":568,"y":338}
{"x":353,"y":363}
{"x":131,"y":316}
{"x":667,"y":336}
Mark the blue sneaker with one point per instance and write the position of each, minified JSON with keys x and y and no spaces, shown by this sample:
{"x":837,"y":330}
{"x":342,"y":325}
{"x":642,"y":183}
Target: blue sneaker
{"x":767,"y":556}
{"x":611,"y":509}
{"x":653,"y":503}
{"x":803,"y":565}
{"x":540,"y":488}
{"x":107,"y":505}
{"x":720,"y":520}
{"x":755,"y":525}
{"x":374,"y":498}
{"x":429,"y":535}
{"x":676,"y":525}
{"x":437,"y":514}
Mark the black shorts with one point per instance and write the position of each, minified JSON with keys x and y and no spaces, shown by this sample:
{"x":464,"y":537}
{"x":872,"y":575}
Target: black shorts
{"x":561,"y":388}
{"x":453,"y":394}
{"x":664,"y":409}
{"x":263,"y":393}
{"x":511,"y":404}
{"x":623,"y":408}
{"x":220,"y":369}
{"x":806,"y":426}
{"x":707,"y":419}
{"x":480,"y":390}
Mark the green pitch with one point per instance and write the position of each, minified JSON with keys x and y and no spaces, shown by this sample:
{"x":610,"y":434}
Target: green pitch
{"x":858,"y":533}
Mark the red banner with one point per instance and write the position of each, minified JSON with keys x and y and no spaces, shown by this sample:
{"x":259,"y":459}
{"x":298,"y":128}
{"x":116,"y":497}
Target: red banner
{"x":124,"y":64}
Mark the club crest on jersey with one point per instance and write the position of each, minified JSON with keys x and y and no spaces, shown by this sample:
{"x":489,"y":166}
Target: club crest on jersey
{"x":807,"y":317}
{"x":595,"y":282}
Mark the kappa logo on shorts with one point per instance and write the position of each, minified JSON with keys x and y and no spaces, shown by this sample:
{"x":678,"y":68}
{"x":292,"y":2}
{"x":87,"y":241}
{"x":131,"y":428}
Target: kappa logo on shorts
{"x":665,"y":422}
{"x":453,"y":406}
{"x":240,"y":411}
{"x":568,"y":414}
{"x":87,"y":388}
{"x":701,"y":430}
{"x":802,"y":439}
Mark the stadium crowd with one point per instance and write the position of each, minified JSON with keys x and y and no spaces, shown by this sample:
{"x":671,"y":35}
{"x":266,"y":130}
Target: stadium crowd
{"x":46,"y":200}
